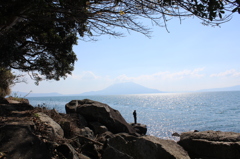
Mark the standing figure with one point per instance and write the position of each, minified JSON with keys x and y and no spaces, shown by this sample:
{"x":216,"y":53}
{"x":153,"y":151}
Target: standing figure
{"x":135,"y":116}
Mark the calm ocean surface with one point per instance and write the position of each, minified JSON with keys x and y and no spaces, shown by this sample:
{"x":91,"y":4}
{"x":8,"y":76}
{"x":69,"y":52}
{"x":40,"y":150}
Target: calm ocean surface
{"x":167,"y":113}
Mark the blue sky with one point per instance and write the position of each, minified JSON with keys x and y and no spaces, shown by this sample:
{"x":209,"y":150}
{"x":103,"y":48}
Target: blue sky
{"x":191,"y":57}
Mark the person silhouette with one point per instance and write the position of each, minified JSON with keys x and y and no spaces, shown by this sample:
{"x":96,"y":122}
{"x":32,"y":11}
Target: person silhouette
{"x":135,"y":116}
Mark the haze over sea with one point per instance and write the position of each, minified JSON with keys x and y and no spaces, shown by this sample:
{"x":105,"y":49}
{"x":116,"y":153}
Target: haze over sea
{"x":166,"y":113}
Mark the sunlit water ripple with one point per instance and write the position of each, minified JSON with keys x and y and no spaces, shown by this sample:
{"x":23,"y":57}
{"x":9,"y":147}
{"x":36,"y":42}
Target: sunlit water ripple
{"x":168,"y":112}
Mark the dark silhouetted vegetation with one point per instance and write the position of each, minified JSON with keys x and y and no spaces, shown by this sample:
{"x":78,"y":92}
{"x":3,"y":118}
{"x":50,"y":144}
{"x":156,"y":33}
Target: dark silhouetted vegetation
{"x":37,"y":36}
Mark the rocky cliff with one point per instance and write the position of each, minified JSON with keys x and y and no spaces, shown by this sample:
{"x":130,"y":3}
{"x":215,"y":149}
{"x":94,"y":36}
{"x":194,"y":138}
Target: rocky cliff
{"x":94,"y":130}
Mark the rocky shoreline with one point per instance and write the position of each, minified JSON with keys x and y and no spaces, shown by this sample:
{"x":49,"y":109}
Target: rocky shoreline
{"x":94,"y":130}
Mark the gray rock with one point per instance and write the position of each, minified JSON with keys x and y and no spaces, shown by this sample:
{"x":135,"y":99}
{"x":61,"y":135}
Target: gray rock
{"x":71,"y":106}
{"x":86,"y":132}
{"x":91,"y":150}
{"x":18,"y":141}
{"x":20,"y":114}
{"x":6,"y":109}
{"x":69,"y":152}
{"x":94,"y":111}
{"x":57,"y":131}
{"x":82,"y":121}
{"x":146,"y":147}
{"x":176,"y":134}
{"x":13,"y":101}
{"x":211,"y":144}
{"x":66,"y":126}
{"x":20,"y":100}
{"x":105,"y":136}
{"x":82,"y":156}
{"x":29,"y":124}
{"x":140,"y":128}
{"x":112,"y":153}
{"x":98,"y":128}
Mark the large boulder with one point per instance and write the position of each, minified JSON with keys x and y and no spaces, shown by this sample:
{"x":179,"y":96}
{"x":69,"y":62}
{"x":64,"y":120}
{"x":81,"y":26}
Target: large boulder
{"x":71,"y":106}
{"x":211,"y":144}
{"x":18,"y":141}
{"x":146,"y":147}
{"x":94,"y":111}
{"x":53,"y":129}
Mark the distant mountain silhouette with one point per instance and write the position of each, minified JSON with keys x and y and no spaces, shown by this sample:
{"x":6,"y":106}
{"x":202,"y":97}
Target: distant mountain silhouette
{"x":119,"y":89}
{"x":123,"y":88}
{"x":233,"y":88}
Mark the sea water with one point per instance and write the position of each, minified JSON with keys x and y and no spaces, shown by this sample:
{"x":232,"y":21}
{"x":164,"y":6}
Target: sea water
{"x":166,"y":113}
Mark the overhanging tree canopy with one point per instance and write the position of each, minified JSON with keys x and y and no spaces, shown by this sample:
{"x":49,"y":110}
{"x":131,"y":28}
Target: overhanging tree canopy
{"x":37,"y":35}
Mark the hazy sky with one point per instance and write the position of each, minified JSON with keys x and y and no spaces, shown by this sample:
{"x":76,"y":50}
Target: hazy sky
{"x":191,"y":57}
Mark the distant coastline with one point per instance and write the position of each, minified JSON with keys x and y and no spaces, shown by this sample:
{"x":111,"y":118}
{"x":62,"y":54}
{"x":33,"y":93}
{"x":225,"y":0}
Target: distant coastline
{"x":121,"y":89}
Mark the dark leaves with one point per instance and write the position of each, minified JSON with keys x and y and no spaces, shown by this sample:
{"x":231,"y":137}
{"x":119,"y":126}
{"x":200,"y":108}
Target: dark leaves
{"x":235,"y":9}
{"x":39,"y":36}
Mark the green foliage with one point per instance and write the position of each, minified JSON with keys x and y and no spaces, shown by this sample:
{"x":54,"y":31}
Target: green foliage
{"x":7,"y":80}
{"x":38,"y":36}
{"x":35,"y":115}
